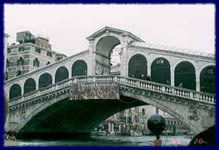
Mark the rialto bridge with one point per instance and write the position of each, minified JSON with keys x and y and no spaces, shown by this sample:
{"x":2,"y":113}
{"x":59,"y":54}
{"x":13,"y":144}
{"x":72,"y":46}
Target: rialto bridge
{"x":180,"y":83}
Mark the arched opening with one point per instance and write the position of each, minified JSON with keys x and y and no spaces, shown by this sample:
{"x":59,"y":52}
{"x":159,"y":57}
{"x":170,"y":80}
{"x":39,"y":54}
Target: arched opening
{"x":185,"y":75}
{"x":160,"y":71}
{"x":15,"y":91}
{"x":36,"y":62}
{"x":79,"y":68}
{"x":207,"y":79}
{"x":61,"y":74}
{"x":45,"y":80}
{"x":20,"y":61}
{"x":29,"y":85}
{"x":104,"y":50}
{"x":137,"y":67}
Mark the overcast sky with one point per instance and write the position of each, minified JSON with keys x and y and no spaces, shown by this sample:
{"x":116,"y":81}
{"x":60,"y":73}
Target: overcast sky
{"x":67,"y":26}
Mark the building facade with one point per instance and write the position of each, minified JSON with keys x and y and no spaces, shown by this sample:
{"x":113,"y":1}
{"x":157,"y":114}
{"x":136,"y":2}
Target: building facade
{"x":31,"y":53}
{"x":5,"y":50}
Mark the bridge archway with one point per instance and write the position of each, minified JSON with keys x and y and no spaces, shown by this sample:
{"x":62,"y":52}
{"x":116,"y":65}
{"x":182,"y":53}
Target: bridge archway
{"x":137,"y":67}
{"x":185,"y":75}
{"x":160,"y":71}
{"x":79,"y":68}
{"x":61,"y":74}
{"x":104,"y":49}
{"x":207,"y":79}
{"x":15,"y":91}
{"x":45,"y":80}
{"x":29,"y":85}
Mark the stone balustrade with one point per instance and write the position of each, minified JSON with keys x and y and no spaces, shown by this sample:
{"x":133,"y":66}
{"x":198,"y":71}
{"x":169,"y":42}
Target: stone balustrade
{"x":130,"y":82}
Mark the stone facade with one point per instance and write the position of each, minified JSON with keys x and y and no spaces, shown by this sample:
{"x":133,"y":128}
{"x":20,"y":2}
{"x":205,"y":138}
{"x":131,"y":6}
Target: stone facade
{"x":5,"y":50}
{"x":28,"y":56}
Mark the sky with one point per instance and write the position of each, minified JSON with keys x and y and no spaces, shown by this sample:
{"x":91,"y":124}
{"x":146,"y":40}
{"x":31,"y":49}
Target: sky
{"x":67,"y":26}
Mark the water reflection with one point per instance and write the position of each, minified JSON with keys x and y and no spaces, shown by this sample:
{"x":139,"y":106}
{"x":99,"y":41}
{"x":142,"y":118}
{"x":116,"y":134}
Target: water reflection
{"x":112,"y":141}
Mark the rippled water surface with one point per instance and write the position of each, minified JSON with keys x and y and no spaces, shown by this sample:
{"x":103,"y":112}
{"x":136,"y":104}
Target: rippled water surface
{"x":113,"y":141}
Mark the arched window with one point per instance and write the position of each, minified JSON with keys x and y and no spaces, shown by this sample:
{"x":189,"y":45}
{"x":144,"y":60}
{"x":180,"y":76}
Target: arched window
{"x":29,"y":85}
{"x":15,"y":91}
{"x":160,"y":71}
{"x":20,"y":61}
{"x":207,"y":79}
{"x":61,"y":74}
{"x":18,"y":73}
{"x":185,"y":75}
{"x":36,"y":62}
{"x":79,"y":68}
{"x":45,"y":80}
{"x":137,"y":67}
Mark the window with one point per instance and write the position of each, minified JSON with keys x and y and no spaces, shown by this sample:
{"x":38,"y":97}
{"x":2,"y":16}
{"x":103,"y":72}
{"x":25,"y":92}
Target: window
{"x":20,"y":49}
{"x":49,"y":54}
{"x":143,"y":112}
{"x":20,"y":61}
{"x":18,"y":72}
{"x":7,"y":63}
{"x":38,"y":50}
{"x":36,"y":62}
{"x":9,"y":50}
{"x":160,"y":61}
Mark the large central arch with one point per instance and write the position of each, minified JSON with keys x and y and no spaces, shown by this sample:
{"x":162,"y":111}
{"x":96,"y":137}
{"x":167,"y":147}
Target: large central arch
{"x":104,"y":49}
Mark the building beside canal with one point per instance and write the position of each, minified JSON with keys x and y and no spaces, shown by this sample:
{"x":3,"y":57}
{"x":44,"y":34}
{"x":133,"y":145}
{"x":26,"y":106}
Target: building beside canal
{"x":29,"y":54}
{"x":5,"y":50}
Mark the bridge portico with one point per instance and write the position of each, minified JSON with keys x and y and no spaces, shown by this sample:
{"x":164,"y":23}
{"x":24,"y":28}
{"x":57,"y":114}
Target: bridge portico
{"x":101,"y":44}
{"x":33,"y":93}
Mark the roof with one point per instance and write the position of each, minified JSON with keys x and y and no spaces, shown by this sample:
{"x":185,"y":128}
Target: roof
{"x":173,"y":49}
{"x":106,"y":28}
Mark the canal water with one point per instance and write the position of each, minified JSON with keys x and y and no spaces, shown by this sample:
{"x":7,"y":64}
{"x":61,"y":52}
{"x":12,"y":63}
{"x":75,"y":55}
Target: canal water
{"x":112,"y":141}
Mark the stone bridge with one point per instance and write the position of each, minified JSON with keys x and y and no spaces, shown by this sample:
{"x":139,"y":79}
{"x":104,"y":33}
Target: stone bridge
{"x":40,"y":101}
{"x":51,"y":110}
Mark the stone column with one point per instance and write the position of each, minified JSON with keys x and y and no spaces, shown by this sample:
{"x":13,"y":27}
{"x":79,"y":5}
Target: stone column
{"x":37,"y":82}
{"x":148,"y":66}
{"x":197,"y":76}
{"x":172,"y":76}
{"x":92,"y":56}
{"x":124,"y":56}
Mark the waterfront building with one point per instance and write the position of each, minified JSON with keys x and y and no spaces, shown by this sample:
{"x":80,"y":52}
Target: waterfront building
{"x":5,"y":50}
{"x":29,"y":54}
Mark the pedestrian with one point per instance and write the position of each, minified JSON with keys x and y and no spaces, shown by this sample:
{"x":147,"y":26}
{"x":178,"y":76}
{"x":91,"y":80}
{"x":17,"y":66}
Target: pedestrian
{"x":180,"y":85}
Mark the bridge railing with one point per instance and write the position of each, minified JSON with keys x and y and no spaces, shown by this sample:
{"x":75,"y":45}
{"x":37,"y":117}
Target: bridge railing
{"x":166,"y":89}
{"x":136,"y":83}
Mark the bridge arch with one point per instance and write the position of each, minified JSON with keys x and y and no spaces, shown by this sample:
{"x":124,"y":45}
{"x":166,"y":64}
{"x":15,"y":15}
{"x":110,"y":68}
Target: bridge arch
{"x":45,"y":80}
{"x":104,"y":48}
{"x":137,"y":67}
{"x":185,"y":75}
{"x":15,"y":91}
{"x":79,"y":67}
{"x":160,"y":71}
{"x":207,"y":79}
{"x":29,"y":85}
{"x":61,"y":74}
